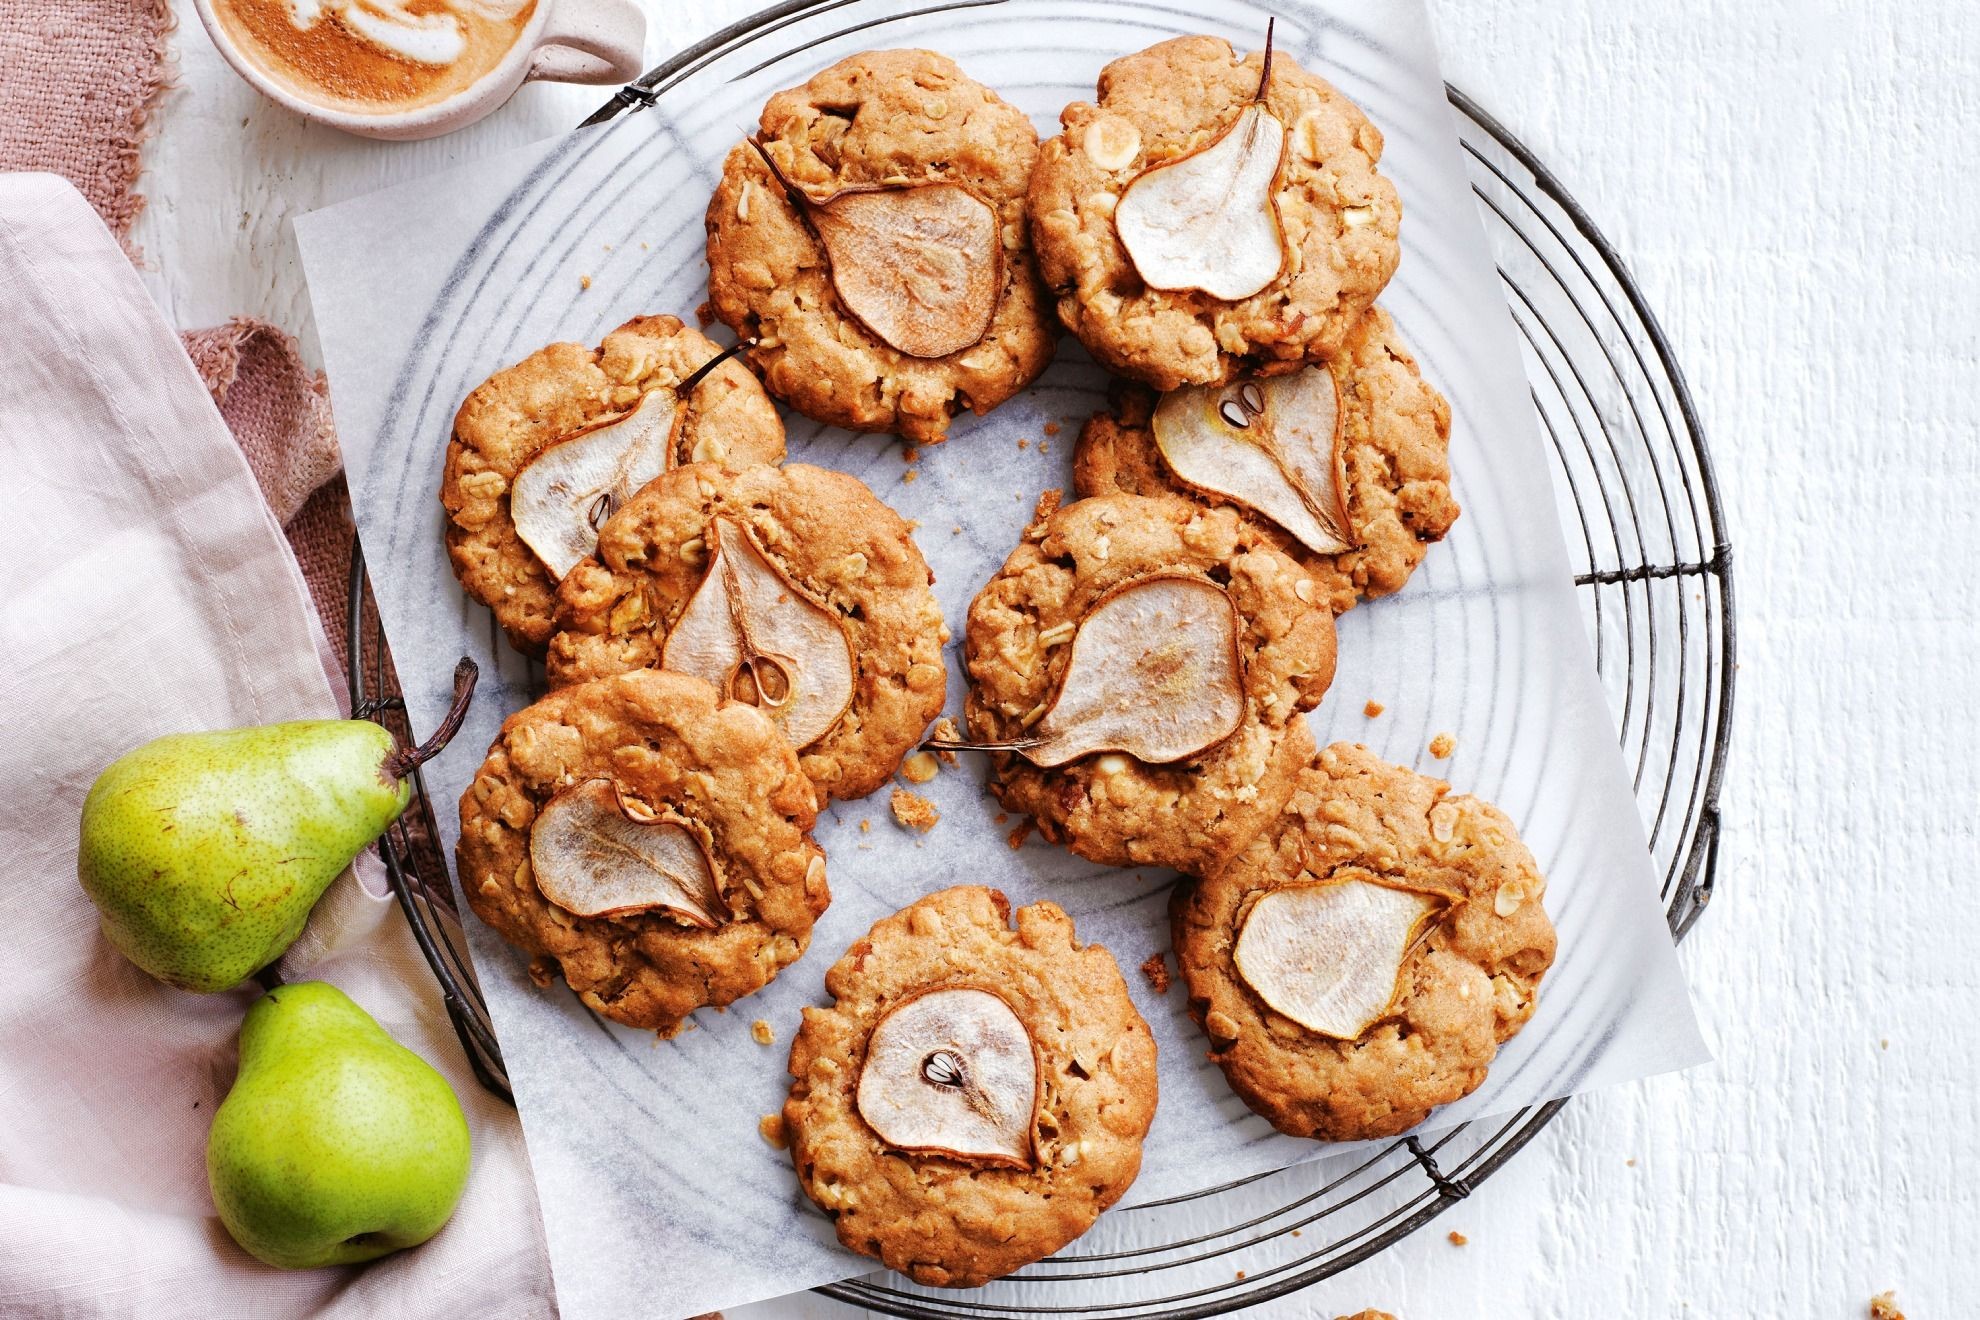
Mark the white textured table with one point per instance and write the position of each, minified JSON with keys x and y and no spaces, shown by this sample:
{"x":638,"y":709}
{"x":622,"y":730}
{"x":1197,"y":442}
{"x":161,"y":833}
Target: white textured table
{"x":1794,"y":185}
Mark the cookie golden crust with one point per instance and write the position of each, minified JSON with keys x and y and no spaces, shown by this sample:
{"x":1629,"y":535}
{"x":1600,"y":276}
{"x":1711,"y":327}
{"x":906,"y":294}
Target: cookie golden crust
{"x":1395,"y":432}
{"x":948,"y":1222}
{"x":557,"y":390}
{"x":1465,"y":988}
{"x":1338,"y":216}
{"x":1113,"y":808}
{"x":829,"y":536}
{"x":883,"y":119}
{"x":666,"y":741}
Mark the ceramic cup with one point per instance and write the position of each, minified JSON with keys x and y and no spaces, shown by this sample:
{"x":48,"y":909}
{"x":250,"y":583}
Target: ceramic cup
{"x":597,"y":42}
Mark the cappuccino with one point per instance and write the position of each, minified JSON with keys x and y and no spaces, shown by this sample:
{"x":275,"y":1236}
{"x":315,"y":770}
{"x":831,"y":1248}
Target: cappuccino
{"x":374,"y":56}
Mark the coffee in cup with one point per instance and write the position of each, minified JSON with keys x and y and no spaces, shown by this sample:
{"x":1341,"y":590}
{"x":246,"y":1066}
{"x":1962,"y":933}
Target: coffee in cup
{"x":374,"y":56}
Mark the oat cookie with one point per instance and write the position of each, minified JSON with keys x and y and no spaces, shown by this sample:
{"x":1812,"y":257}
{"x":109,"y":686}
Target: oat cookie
{"x":563,"y":389}
{"x":905,"y":123}
{"x":840,"y":563}
{"x":677,"y":761}
{"x":1190,"y":813}
{"x":1009,"y":1068}
{"x":1338,"y":217}
{"x":1395,"y":440}
{"x":1468,"y":977}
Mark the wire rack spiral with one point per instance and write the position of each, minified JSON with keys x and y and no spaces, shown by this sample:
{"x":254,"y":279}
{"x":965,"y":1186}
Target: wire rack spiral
{"x":1646,"y":535}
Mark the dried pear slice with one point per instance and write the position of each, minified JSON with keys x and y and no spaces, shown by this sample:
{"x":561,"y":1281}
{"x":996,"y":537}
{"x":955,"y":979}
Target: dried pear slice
{"x":919,"y":266}
{"x":759,"y":638}
{"x":1271,"y":445}
{"x":1209,"y":220}
{"x":1330,"y":955}
{"x":593,"y":858}
{"x":1153,"y":672}
{"x":952,"y":1072}
{"x":564,"y":495}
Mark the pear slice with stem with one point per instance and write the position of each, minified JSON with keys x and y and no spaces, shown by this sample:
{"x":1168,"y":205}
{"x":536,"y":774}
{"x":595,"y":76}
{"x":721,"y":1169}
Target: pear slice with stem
{"x":951,"y":1071}
{"x":1272,"y":445}
{"x":564,"y":494}
{"x":1153,"y":672}
{"x":1209,"y":220}
{"x":919,"y":266}
{"x":1329,"y":955}
{"x":757,"y":636}
{"x":595,"y":854}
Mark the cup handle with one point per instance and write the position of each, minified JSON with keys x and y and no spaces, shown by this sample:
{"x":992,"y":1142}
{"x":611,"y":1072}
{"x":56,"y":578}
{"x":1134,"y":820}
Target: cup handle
{"x":590,"y":41}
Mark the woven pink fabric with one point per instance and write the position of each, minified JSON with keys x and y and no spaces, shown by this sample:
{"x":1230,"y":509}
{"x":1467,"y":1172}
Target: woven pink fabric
{"x":78,"y":80}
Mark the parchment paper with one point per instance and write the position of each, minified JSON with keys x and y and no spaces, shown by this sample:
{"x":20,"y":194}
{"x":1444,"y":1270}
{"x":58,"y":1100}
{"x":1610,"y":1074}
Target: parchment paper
{"x":658,"y":1195}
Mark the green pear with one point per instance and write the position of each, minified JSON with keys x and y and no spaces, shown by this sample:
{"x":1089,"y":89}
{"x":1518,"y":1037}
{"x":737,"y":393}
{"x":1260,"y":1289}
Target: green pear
{"x":204,"y":852}
{"x":337,"y":1144}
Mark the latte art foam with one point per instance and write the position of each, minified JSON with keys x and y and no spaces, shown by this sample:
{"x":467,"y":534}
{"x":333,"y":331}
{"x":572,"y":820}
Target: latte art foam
{"x":375,"y":56}
{"x":431,"y":37}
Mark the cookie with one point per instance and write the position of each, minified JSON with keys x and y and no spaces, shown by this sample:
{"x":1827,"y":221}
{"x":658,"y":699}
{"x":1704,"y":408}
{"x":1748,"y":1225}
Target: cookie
{"x":918,"y":174}
{"x":1336,"y":217}
{"x":840,"y":574}
{"x":654,"y":765}
{"x":1394,"y":441}
{"x":1469,"y":972}
{"x":1008,"y":1070}
{"x":1190,"y":811}
{"x":555,"y":393}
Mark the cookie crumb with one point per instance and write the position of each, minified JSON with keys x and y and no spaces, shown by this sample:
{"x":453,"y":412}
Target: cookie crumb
{"x":1156,"y":969}
{"x":1457,"y":1239}
{"x":919,"y":768}
{"x":910,"y":455}
{"x":1442,"y":746}
{"x":908,"y":476}
{"x":1630,"y":1162}
{"x":759,"y":1031}
{"x":1052,"y":428}
{"x":1044,"y":448}
{"x":1295,"y":1232}
{"x":1884,"y":1307}
{"x":771,"y":1128}
{"x":1001,"y":818}
{"x":1023,"y":443}
{"x":704,"y":315}
{"x":946,"y":731}
{"x":913,"y":810}
{"x":865,"y":826}
{"x":1372,"y":709}
{"x":956,"y":530}
{"x":1017,"y":836}
{"x":1240,"y":1274}
{"x":1884,"y":1044}
{"x":584,"y":281}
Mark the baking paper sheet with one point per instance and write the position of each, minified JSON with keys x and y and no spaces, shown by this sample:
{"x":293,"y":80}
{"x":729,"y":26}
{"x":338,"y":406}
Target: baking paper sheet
{"x":659,"y":1196}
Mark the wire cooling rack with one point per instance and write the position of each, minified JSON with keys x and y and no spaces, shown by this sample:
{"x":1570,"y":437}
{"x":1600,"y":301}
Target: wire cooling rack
{"x":1646,"y":535}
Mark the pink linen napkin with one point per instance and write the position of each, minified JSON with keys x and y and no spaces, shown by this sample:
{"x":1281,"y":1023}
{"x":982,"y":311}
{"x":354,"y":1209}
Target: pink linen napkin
{"x":145,"y":588}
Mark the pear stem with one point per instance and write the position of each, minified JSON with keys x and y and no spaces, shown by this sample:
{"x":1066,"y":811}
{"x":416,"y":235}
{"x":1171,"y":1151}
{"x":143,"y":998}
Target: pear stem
{"x":404,"y":761}
{"x":963,"y":745}
{"x":700,"y":373}
{"x":1265,"y":65}
{"x":797,"y":199}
